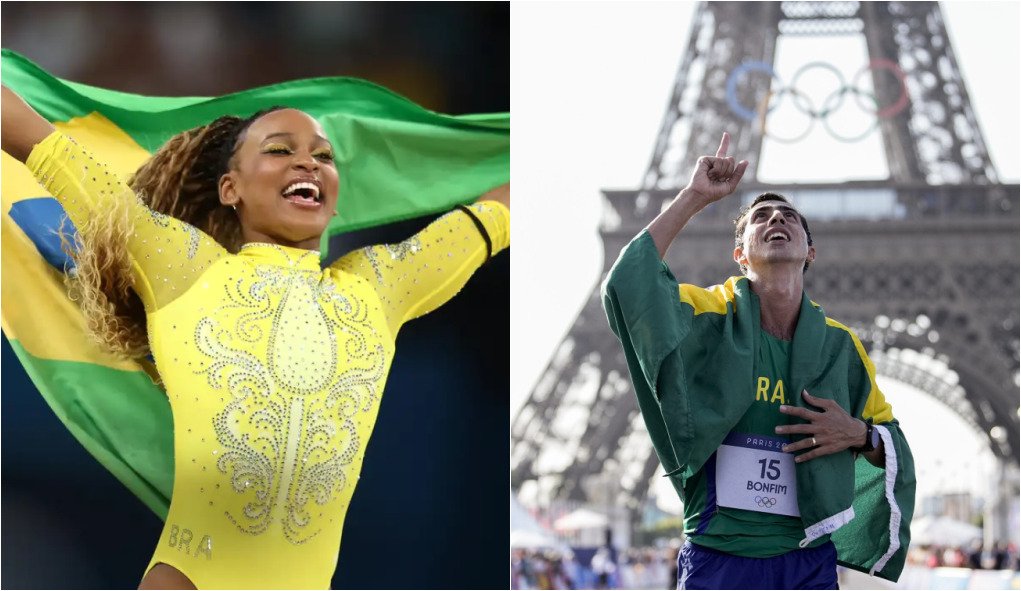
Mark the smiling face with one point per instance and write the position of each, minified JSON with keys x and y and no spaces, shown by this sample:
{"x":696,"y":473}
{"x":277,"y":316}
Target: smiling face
{"x":282,"y":180}
{"x":773,"y":233}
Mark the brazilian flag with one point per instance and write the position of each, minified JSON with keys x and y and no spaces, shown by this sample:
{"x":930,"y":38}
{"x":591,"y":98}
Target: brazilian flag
{"x":396,"y":161}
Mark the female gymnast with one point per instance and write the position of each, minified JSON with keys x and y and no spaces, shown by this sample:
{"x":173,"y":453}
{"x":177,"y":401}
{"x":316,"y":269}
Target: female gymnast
{"x":273,"y":366}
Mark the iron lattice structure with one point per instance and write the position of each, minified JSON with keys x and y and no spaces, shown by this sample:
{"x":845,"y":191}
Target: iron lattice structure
{"x":923,"y":266}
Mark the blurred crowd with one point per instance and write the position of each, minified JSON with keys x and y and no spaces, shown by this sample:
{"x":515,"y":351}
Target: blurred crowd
{"x":636,"y":568}
{"x":999,"y":556}
{"x":649,"y":568}
{"x":544,"y":569}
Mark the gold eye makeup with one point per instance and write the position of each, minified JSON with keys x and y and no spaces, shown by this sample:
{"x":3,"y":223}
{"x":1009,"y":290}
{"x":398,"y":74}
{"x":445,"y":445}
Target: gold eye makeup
{"x":276,"y":148}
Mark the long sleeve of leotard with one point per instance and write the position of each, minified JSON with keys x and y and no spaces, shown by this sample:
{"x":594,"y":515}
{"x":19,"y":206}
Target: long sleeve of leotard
{"x":418,"y":275}
{"x":167,"y":255}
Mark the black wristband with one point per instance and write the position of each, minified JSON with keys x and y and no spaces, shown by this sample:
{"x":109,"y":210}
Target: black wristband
{"x":868,"y":439}
{"x":482,"y":230}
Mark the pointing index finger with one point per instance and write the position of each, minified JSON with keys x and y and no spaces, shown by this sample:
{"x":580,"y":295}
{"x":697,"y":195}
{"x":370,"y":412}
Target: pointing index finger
{"x":724,"y":145}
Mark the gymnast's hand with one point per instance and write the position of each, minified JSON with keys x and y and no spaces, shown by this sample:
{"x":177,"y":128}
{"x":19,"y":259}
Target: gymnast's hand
{"x":717,"y":176}
{"x":500,"y":194}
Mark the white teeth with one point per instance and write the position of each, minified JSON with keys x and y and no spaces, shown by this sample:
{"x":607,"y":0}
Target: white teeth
{"x":770,"y":237}
{"x":295,"y":186}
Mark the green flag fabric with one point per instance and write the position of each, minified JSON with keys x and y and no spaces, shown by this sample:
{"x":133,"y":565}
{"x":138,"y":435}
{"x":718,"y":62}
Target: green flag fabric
{"x":396,"y":160}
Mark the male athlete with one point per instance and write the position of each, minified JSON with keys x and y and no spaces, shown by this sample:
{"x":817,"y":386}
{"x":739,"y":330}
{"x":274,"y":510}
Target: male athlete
{"x":764,"y":412}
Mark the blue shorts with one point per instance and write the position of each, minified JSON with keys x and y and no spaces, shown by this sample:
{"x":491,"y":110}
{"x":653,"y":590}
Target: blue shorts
{"x":702,"y":568}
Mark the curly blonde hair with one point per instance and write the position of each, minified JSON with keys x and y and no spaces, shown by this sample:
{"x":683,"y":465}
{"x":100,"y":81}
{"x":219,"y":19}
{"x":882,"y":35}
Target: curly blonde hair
{"x":180,"y":180}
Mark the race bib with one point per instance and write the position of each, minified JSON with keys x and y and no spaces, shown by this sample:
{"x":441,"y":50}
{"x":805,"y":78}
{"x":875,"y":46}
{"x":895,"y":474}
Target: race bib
{"x":753,"y":474}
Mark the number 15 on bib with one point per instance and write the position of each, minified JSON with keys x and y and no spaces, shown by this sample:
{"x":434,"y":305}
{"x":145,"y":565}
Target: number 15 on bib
{"x":753,"y":474}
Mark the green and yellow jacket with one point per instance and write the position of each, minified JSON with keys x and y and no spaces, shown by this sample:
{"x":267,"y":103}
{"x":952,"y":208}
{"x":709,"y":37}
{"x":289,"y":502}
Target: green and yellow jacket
{"x":692,"y":352}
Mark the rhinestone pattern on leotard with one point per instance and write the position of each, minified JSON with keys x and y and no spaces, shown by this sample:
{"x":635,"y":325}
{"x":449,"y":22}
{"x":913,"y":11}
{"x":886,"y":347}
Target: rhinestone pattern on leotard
{"x":289,"y":428}
{"x":397,"y":252}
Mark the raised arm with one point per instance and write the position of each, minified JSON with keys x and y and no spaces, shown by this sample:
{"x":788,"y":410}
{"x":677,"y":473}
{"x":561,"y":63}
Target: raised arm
{"x":640,"y":294}
{"x":646,"y":307}
{"x":714,"y":178}
{"x":167,"y":254}
{"x":21,"y":128}
{"x":418,"y":275}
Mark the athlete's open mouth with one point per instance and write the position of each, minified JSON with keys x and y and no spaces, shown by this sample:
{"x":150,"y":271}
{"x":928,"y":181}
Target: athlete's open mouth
{"x":302,"y":192}
{"x":777,"y":235}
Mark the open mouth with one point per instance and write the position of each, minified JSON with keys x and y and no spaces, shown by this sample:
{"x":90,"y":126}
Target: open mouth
{"x":303,"y":193}
{"x":777,"y":235}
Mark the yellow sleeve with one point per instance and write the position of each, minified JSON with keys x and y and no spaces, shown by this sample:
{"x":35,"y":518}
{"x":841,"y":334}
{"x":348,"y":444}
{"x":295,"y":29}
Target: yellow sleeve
{"x":418,"y":275}
{"x":167,"y":255}
{"x":876,"y":407}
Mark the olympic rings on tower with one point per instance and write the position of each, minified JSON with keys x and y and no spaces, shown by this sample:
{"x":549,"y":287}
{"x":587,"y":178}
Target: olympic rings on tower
{"x":901,"y":103}
{"x":830,"y":104}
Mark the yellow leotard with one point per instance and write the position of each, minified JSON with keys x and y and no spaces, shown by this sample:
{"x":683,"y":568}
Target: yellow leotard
{"x":274,"y":369}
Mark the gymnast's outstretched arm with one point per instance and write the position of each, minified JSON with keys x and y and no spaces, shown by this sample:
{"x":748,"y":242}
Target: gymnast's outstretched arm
{"x":420,"y":274}
{"x":167,"y":255}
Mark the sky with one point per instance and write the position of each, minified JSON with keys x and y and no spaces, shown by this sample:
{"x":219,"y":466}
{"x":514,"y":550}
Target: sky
{"x":590,"y":84}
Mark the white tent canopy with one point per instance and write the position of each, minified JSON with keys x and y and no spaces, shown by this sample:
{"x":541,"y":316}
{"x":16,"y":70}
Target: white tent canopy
{"x":944,"y":531}
{"x":580,"y":519}
{"x":526,"y":533}
{"x":530,"y":540}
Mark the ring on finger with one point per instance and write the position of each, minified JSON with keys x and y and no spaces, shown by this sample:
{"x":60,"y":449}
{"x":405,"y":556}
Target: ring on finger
{"x":814,"y":443}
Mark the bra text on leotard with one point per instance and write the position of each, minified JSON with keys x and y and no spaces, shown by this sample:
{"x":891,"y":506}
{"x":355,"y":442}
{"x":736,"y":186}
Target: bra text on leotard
{"x":182,"y":538}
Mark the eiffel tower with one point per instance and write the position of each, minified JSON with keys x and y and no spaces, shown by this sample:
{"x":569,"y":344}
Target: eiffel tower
{"x":923,"y":266}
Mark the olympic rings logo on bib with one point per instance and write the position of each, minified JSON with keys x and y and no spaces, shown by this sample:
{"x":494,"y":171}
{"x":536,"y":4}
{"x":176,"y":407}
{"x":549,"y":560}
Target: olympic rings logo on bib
{"x":765,"y":502}
{"x":830,"y":104}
